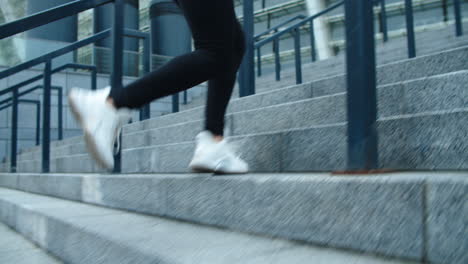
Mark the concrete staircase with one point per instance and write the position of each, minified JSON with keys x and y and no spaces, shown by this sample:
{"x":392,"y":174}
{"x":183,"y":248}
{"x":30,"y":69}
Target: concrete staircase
{"x":419,"y":98}
{"x":14,"y":248}
{"x":286,"y":210}
{"x":256,"y":218}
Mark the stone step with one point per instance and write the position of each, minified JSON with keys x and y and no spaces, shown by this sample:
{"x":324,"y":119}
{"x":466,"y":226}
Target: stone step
{"x":446,"y":61}
{"x":441,"y":62}
{"x":319,"y":70}
{"x":433,"y":140}
{"x":424,"y":66}
{"x":423,"y":141}
{"x":416,"y":216}
{"x":88,"y":234}
{"x":15,"y":249}
{"x":438,"y":93}
{"x":394,"y":50}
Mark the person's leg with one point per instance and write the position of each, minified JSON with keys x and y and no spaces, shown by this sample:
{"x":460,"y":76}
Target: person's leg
{"x":220,"y":88}
{"x":212,"y":25}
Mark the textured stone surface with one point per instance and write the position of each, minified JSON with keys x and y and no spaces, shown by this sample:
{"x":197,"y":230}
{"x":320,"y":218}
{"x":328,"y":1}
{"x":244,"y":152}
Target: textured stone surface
{"x":318,"y":148}
{"x":86,"y":234}
{"x":52,"y":185}
{"x":16,"y":249}
{"x":435,"y":141}
{"x":447,"y":224}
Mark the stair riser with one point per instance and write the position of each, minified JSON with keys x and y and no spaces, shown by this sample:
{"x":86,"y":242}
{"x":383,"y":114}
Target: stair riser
{"x":433,"y":94}
{"x":446,"y":62}
{"x":403,"y":99}
{"x":419,"y":142}
{"x":394,"y":51}
{"x":454,"y":60}
{"x":394,"y":215}
{"x":60,"y":238}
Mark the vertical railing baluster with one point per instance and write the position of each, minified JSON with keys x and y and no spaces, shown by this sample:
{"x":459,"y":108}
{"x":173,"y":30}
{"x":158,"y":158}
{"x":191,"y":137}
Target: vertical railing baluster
{"x":259,"y":62}
{"x":312,"y":41}
{"x":60,"y":112}
{"x":458,"y":19}
{"x":361,"y":86}
{"x":14,"y":131}
{"x":46,"y":118}
{"x":410,"y":28}
{"x":38,"y":124}
{"x":297,"y":54}
{"x":94,"y":79}
{"x":175,"y":103}
{"x":117,"y":60}
{"x":383,"y":13}
{"x":247,"y":86}
{"x":277,"y":59}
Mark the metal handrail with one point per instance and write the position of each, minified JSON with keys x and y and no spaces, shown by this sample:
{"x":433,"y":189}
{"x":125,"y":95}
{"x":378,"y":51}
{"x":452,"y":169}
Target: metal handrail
{"x":298,"y":24}
{"x":91,"y":68}
{"x":59,"y":104}
{"x":56,"y":53}
{"x":38,"y":115}
{"x":48,"y":16}
{"x":275,"y":28}
{"x":295,"y":29}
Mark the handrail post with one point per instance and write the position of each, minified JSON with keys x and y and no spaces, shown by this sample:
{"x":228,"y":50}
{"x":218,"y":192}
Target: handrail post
{"x":259,"y":62}
{"x":361,"y":86}
{"x":38,"y":124}
{"x":46,"y":118}
{"x":175,"y":103}
{"x":383,"y":16}
{"x":277,"y":59}
{"x":94,"y":79}
{"x":410,"y":28}
{"x":117,"y":60}
{"x":297,"y":55}
{"x":14,"y":131}
{"x":60,"y":113}
{"x":247,"y":86}
{"x":458,"y":19}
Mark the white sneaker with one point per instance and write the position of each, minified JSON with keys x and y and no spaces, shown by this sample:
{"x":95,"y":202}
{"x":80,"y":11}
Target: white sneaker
{"x":100,"y":122}
{"x":217,"y":157}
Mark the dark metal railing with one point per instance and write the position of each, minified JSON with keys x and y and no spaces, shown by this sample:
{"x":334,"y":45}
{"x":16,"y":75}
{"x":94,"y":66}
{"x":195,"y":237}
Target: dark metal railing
{"x":145,"y":111}
{"x":117,"y":33}
{"x":274,"y":29}
{"x":361,"y":66}
{"x":37,"y":103}
{"x":295,"y":30}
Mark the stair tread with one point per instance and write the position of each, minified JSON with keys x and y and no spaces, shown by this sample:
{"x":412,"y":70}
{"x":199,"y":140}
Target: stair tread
{"x":16,"y":249}
{"x":151,"y":238}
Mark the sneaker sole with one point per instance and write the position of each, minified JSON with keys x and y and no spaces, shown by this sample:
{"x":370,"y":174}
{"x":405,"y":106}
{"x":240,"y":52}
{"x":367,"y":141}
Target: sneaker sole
{"x":202,"y":169}
{"x":90,"y":142}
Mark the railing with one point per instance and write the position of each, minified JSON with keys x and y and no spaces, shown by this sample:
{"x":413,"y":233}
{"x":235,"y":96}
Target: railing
{"x":14,"y":101}
{"x":37,"y":103}
{"x":117,"y":33}
{"x":295,"y":30}
{"x":360,"y":66}
{"x":362,"y":135}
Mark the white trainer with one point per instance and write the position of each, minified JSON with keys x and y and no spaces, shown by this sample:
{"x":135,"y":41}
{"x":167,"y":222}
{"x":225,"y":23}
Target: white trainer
{"x":101,"y":123}
{"x":217,"y":157}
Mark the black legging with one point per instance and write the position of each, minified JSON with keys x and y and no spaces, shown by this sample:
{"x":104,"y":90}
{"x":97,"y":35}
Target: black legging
{"x":219,"y":48}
